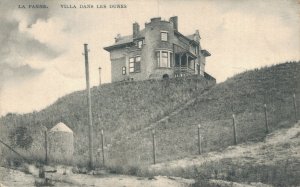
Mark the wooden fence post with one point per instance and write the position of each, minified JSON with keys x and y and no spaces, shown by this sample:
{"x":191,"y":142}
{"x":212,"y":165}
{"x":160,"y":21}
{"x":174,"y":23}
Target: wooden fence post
{"x":102,"y":147}
{"x":266,"y":119}
{"x":234,"y":130}
{"x":153,"y":143}
{"x":46,"y":147}
{"x":199,"y":140}
{"x":295,"y":107}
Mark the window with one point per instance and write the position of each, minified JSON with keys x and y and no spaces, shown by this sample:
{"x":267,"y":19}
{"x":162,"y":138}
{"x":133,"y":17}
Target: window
{"x":140,"y":43}
{"x":164,"y":59}
{"x":158,"y":58}
{"x":164,"y":35}
{"x":135,"y":64}
{"x":131,"y":65}
{"x":124,"y":70}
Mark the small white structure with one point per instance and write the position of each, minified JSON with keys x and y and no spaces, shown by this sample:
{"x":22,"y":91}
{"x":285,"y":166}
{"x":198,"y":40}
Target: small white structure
{"x":61,"y":144}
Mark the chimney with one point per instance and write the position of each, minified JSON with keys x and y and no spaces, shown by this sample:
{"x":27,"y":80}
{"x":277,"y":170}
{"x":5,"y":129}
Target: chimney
{"x":174,"y":20}
{"x":197,"y":36}
{"x":117,"y":38}
{"x":136,"y":29}
{"x":155,"y":19}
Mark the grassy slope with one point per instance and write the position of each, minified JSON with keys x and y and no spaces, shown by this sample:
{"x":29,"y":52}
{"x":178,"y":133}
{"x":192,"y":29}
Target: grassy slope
{"x":244,"y":95}
{"x":275,"y":161}
{"x":126,"y":109}
{"x":118,"y":108}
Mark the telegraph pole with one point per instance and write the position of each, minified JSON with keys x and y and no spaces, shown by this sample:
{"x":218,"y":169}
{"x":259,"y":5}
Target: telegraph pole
{"x":46,"y":147}
{"x":295,"y":106}
{"x":153,"y":144}
{"x":266,"y":119}
{"x":234,"y":130}
{"x":91,"y":164}
{"x":99,"y":76}
{"x":199,"y":140}
{"x":102,"y":147}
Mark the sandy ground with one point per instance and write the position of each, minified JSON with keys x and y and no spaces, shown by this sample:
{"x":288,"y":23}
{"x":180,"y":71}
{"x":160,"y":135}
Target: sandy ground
{"x":14,"y":178}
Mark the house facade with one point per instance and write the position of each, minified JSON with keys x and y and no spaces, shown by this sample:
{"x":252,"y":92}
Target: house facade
{"x":158,"y":51}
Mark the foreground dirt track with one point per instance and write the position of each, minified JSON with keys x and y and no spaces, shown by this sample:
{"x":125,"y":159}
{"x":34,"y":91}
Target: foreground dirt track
{"x":14,"y":178}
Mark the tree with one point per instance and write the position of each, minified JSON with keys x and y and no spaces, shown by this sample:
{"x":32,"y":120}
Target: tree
{"x":20,"y":137}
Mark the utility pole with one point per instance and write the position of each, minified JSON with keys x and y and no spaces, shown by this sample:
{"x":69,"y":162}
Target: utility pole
{"x":295,"y":106}
{"x":234,"y":130}
{"x":99,"y":76}
{"x":199,"y":140}
{"x":46,"y":147}
{"x":266,"y":119}
{"x":102,"y":147}
{"x":91,"y":164}
{"x":153,"y":146}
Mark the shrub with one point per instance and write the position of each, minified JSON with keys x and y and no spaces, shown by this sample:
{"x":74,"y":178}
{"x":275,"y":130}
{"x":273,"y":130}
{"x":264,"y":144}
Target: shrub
{"x":21,"y":137}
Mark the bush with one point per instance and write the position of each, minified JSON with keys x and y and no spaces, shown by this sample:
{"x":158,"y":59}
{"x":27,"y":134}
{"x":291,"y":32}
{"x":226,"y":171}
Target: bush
{"x":21,"y":137}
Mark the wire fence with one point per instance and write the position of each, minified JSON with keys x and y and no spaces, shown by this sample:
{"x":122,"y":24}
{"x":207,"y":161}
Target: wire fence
{"x":161,"y":145}
{"x":164,"y":142}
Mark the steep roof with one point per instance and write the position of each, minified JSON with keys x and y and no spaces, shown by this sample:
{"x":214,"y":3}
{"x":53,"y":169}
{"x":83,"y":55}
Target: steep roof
{"x":191,"y":37}
{"x":61,"y":127}
{"x":124,"y":40}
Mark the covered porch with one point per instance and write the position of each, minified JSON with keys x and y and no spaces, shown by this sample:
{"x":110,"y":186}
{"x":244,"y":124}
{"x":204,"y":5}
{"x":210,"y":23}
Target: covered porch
{"x":184,"y":62}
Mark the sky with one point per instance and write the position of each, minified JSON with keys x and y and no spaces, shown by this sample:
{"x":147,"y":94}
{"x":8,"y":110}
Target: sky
{"x":41,"y":49}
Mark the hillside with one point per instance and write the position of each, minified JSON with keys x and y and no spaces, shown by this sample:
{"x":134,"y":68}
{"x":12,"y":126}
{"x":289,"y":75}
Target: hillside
{"x":118,"y":108}
{"x":275,"y":161}
{"x":128,"y":113}
{"x":244,"y":95}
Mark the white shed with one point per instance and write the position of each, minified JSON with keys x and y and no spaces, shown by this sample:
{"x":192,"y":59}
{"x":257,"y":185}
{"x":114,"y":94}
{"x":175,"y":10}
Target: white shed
{"x":61,"y":144}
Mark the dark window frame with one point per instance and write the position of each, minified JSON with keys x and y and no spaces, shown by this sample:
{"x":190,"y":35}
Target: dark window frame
{"x":160,"y":57}
{"x":164,"y":36}
{"x":135,"y":64}
{"x":123,"y":70}
{"x":140,"y":43}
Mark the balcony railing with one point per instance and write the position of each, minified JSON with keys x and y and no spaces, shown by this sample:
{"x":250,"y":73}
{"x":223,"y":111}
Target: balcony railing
{"x":184,"y":69}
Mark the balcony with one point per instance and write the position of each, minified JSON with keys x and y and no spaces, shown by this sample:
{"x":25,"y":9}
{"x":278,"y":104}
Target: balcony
{"x":183,"y":70}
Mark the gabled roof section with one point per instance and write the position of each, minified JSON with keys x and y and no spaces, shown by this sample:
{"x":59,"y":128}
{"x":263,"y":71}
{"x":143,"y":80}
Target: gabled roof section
{"x":124,"y":41}
{"x":190,"y":38}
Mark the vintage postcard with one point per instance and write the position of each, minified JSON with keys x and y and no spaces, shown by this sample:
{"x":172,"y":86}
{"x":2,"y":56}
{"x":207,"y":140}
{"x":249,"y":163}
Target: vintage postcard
{"x":149,"y":93}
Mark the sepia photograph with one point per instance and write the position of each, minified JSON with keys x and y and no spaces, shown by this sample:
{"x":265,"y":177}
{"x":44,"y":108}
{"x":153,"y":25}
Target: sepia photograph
{"x":150,"y":93}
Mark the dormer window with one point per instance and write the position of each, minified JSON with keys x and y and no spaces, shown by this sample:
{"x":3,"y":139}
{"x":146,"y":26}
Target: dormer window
{"x":164,"y":36}
{"x":140,"y":43}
